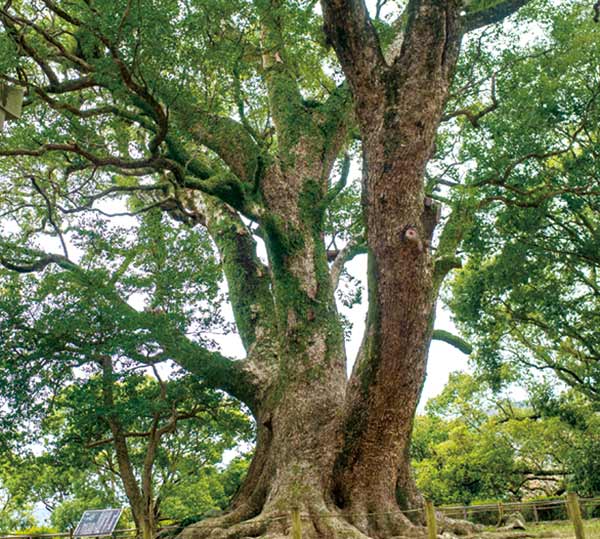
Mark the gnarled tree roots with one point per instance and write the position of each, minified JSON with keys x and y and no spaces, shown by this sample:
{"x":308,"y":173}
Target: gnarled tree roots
{"x":318,"y":521}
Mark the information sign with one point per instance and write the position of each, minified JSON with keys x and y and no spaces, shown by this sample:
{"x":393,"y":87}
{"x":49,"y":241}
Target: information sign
{"x":98,"y":523}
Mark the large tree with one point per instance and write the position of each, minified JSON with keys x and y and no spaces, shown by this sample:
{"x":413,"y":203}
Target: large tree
{"x":232,"y":115}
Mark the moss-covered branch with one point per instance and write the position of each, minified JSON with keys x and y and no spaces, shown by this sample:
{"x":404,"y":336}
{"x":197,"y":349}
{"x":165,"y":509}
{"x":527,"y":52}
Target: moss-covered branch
{"x":280,"y":75}
{"x":216,"y":370}
{"x":453,"y":340}
{"x":337,"y":116}
{"x":482,"y":13}
{"x":227,"y":138}
{"x":457,"y":225}
{"x":247,"y":278}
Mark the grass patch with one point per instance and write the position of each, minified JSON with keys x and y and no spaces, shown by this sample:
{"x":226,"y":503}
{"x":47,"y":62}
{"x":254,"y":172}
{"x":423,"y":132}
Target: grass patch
{"x":559,"y":529}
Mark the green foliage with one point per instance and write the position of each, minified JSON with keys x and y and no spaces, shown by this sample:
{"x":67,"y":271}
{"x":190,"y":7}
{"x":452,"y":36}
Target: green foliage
{"x":474,"y":444}
{"x":207,"y":492}
{"x":527,"y":293}
{"x":581,"y":415}
{"x":16,"y":509}
{"x":78,"y":469}
{"x":72,"y":318}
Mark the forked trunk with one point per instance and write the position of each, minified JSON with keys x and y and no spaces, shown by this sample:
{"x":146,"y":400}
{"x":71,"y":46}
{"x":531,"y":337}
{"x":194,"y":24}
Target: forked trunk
{"x":303,"y":428}
{"x":337,"y":450}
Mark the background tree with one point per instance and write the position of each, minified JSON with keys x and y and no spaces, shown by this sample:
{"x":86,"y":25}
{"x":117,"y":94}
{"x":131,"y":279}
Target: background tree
{"x":234,"y":116}
{"x":122,"y":436}
{"x":527,"y":296}
{"x":144,"y":435}
{"x":16,"y":512}
{"x":475,"y":445}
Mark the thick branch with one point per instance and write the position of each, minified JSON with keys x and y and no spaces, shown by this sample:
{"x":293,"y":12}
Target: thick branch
{"x":454,"y":340}
{"x":351,"y":32}
{"x":431,"y":44}
{"x":496,"y":13}
{"x":216,"y":370}
{"x":338,"y":118}
{"x":227,"y":138}
{"x":247,"y":277}
{"x":457,"y":225}
{"x":280,"y":75}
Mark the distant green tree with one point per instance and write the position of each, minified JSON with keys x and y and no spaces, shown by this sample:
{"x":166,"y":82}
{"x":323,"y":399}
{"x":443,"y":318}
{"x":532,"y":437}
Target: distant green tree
{"x":71,"y":365}
{"x":16,"y":507}
{"x":123,"y":433}
{"x":581,"y":450}
{"x":474,"y":444}
{"x":156,"y":441}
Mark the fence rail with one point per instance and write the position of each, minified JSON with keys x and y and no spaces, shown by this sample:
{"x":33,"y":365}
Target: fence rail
{"x":571,"y":504}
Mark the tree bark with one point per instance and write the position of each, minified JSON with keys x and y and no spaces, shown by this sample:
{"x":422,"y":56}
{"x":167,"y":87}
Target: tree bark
{"x":373,"y":471}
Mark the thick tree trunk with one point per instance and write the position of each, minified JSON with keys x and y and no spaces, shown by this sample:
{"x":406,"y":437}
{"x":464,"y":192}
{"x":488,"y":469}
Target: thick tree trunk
{"x":147,"y":528}
{"x":299,"y":410}
{"x":373,"y":469}
{"x":399,"y":107}
{"x":333,"y":449}
{"x":337,"y":450}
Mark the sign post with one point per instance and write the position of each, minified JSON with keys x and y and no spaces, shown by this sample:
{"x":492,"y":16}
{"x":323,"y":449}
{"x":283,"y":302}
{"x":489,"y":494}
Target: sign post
{"x":11,"y":101}
{"x":98,"y":523}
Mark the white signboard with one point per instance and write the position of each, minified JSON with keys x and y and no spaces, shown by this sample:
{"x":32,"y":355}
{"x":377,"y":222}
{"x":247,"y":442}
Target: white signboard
{"x":98,"y":523}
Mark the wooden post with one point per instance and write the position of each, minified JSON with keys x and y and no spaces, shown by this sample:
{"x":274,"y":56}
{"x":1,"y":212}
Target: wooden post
{"x":575,"y":515}
{"x":535,"y":514}
{"x":500,"y":513}
{"x":296,"y":524}
{"x":430,"y":518}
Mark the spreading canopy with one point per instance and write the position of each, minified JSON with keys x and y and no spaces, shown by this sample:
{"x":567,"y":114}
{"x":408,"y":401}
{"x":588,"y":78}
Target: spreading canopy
{"x":235,"y":118}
